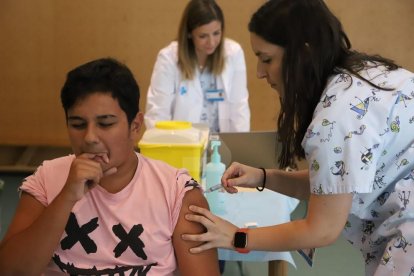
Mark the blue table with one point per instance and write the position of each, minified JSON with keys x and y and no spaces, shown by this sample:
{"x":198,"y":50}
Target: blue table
{"x":264,"y":208}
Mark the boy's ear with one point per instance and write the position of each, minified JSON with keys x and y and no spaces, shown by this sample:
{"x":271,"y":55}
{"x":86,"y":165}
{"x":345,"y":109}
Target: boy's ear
{"x":137,"y":123}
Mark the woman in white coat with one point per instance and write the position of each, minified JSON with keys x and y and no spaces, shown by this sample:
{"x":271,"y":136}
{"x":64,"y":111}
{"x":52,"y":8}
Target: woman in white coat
{"x":200,"y":78}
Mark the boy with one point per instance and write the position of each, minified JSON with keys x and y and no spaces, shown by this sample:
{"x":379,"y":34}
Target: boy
{"x":106,"y":209}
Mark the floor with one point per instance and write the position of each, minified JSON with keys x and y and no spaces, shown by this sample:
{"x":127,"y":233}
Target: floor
{"x":339,"y":259}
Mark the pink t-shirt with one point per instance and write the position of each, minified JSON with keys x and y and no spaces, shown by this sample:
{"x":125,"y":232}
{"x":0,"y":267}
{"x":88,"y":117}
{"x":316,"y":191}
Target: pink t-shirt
{"x":129,"y":232}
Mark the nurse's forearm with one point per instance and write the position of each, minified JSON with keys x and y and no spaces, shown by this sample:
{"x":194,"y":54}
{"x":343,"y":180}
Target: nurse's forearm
{"x":287,"y":237}
{"x":294,"y":184}
{"x":324,"y":222}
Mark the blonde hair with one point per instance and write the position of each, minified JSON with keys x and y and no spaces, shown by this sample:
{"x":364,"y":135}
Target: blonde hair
{"x":196,"y":14}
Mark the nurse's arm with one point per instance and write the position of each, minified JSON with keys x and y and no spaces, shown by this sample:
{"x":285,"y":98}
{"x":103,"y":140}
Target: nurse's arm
{"x":326,"y":218}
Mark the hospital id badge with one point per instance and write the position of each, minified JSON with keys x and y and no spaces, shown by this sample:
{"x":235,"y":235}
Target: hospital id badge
{"x":215,"y":95}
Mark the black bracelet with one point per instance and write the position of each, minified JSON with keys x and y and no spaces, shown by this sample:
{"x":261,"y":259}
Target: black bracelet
{"x":260,"y":189}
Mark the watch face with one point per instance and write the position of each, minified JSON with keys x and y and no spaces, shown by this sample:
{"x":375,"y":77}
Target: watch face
{"x":240,"y":239}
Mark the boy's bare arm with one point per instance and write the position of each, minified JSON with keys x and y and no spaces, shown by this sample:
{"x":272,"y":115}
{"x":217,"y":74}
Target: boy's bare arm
{"x":205,"y":263}
{"x":33,"y":235}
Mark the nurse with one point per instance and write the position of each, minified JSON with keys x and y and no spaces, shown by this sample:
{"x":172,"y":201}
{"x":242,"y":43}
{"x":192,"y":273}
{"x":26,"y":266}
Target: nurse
{"x":201,"y":77}
{"x":351,"y":115}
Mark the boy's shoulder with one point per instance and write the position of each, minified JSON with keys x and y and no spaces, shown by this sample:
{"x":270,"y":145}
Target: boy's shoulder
{"x":58,"y":163}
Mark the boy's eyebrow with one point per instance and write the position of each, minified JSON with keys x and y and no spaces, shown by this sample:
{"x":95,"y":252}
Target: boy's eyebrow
{"x":74,"y":118}
{"x":106,"y":116}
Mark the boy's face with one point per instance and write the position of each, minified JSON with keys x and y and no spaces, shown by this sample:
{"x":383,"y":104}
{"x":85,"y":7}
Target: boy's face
{"x":98,"y":125}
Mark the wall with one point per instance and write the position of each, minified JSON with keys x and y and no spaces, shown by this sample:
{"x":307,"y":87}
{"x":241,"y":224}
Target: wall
{"x":42,"y":40}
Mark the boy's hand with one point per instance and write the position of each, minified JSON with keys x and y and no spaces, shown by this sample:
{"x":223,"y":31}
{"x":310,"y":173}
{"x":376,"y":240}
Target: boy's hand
{"x":85,"y":173}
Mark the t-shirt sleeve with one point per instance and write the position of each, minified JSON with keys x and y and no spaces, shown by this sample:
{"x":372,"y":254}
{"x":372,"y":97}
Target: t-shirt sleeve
{"x":343,"y":142}
{"x":49,"y":178}
{"x":34,"y":185}
{"x":184,"y":183}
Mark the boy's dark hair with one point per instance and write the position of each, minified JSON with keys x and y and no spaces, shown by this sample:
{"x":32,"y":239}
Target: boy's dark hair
{"x":105,"y":75}
{"x":316,"y":47}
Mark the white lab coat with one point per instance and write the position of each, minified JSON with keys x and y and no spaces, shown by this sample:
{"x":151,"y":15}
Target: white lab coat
{"x":171,"y":97}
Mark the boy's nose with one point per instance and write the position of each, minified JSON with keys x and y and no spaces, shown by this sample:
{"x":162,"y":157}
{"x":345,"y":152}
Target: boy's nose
{"x":91,"y":136}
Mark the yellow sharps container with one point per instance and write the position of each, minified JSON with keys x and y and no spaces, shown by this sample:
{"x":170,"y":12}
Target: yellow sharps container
{"x":177,"y":143}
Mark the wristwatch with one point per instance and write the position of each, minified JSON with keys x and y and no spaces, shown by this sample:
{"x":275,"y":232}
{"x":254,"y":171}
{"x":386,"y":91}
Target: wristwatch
{"x":240,"y":240}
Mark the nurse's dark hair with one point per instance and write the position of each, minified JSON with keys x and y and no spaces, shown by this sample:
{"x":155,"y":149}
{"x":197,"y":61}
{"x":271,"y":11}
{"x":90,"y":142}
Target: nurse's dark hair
{"x":196,"y":14}
{"x":107,"y":76}
{"x":316,"y":47}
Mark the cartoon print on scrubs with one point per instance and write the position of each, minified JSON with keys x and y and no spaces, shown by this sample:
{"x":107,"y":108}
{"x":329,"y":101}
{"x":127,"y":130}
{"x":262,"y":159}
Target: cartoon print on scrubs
{"x":405,"y":198}
{"x":76,"y":233}
{"x":327,"y":100}
{"x":361,"y":108}
{"x":366,"y":157}
{"x":310,"y":133}
{"x":359,"y":133}
{"x":339,"y":169}
{"x":379,"y":178}
{"x":356,"y":132}
{"x":402,"y":98}
{"x":400,"y":243}
{"x":327,"y":123}
{"x":395,"y":124}
{"x":410,"y":176}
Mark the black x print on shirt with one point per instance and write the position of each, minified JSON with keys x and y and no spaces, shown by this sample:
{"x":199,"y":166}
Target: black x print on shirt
{"x":130,"y":239}
{"x":79,"y":234}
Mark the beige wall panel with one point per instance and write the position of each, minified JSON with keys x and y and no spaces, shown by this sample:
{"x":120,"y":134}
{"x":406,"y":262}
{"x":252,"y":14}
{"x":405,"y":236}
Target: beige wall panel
{"x":42,"y":40}
{"x":379,"y":27}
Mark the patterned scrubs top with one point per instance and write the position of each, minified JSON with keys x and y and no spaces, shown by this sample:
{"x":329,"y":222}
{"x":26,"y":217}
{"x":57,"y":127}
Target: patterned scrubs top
{"x":361,"y":141}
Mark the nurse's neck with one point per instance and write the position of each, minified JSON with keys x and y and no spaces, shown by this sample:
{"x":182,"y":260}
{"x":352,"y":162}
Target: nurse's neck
{"x":201,"y":60}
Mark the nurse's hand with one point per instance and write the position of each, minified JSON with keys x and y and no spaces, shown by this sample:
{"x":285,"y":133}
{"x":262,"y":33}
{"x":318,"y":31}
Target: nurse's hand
{"x":242,"y":176}
{"x":220,"y":232}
